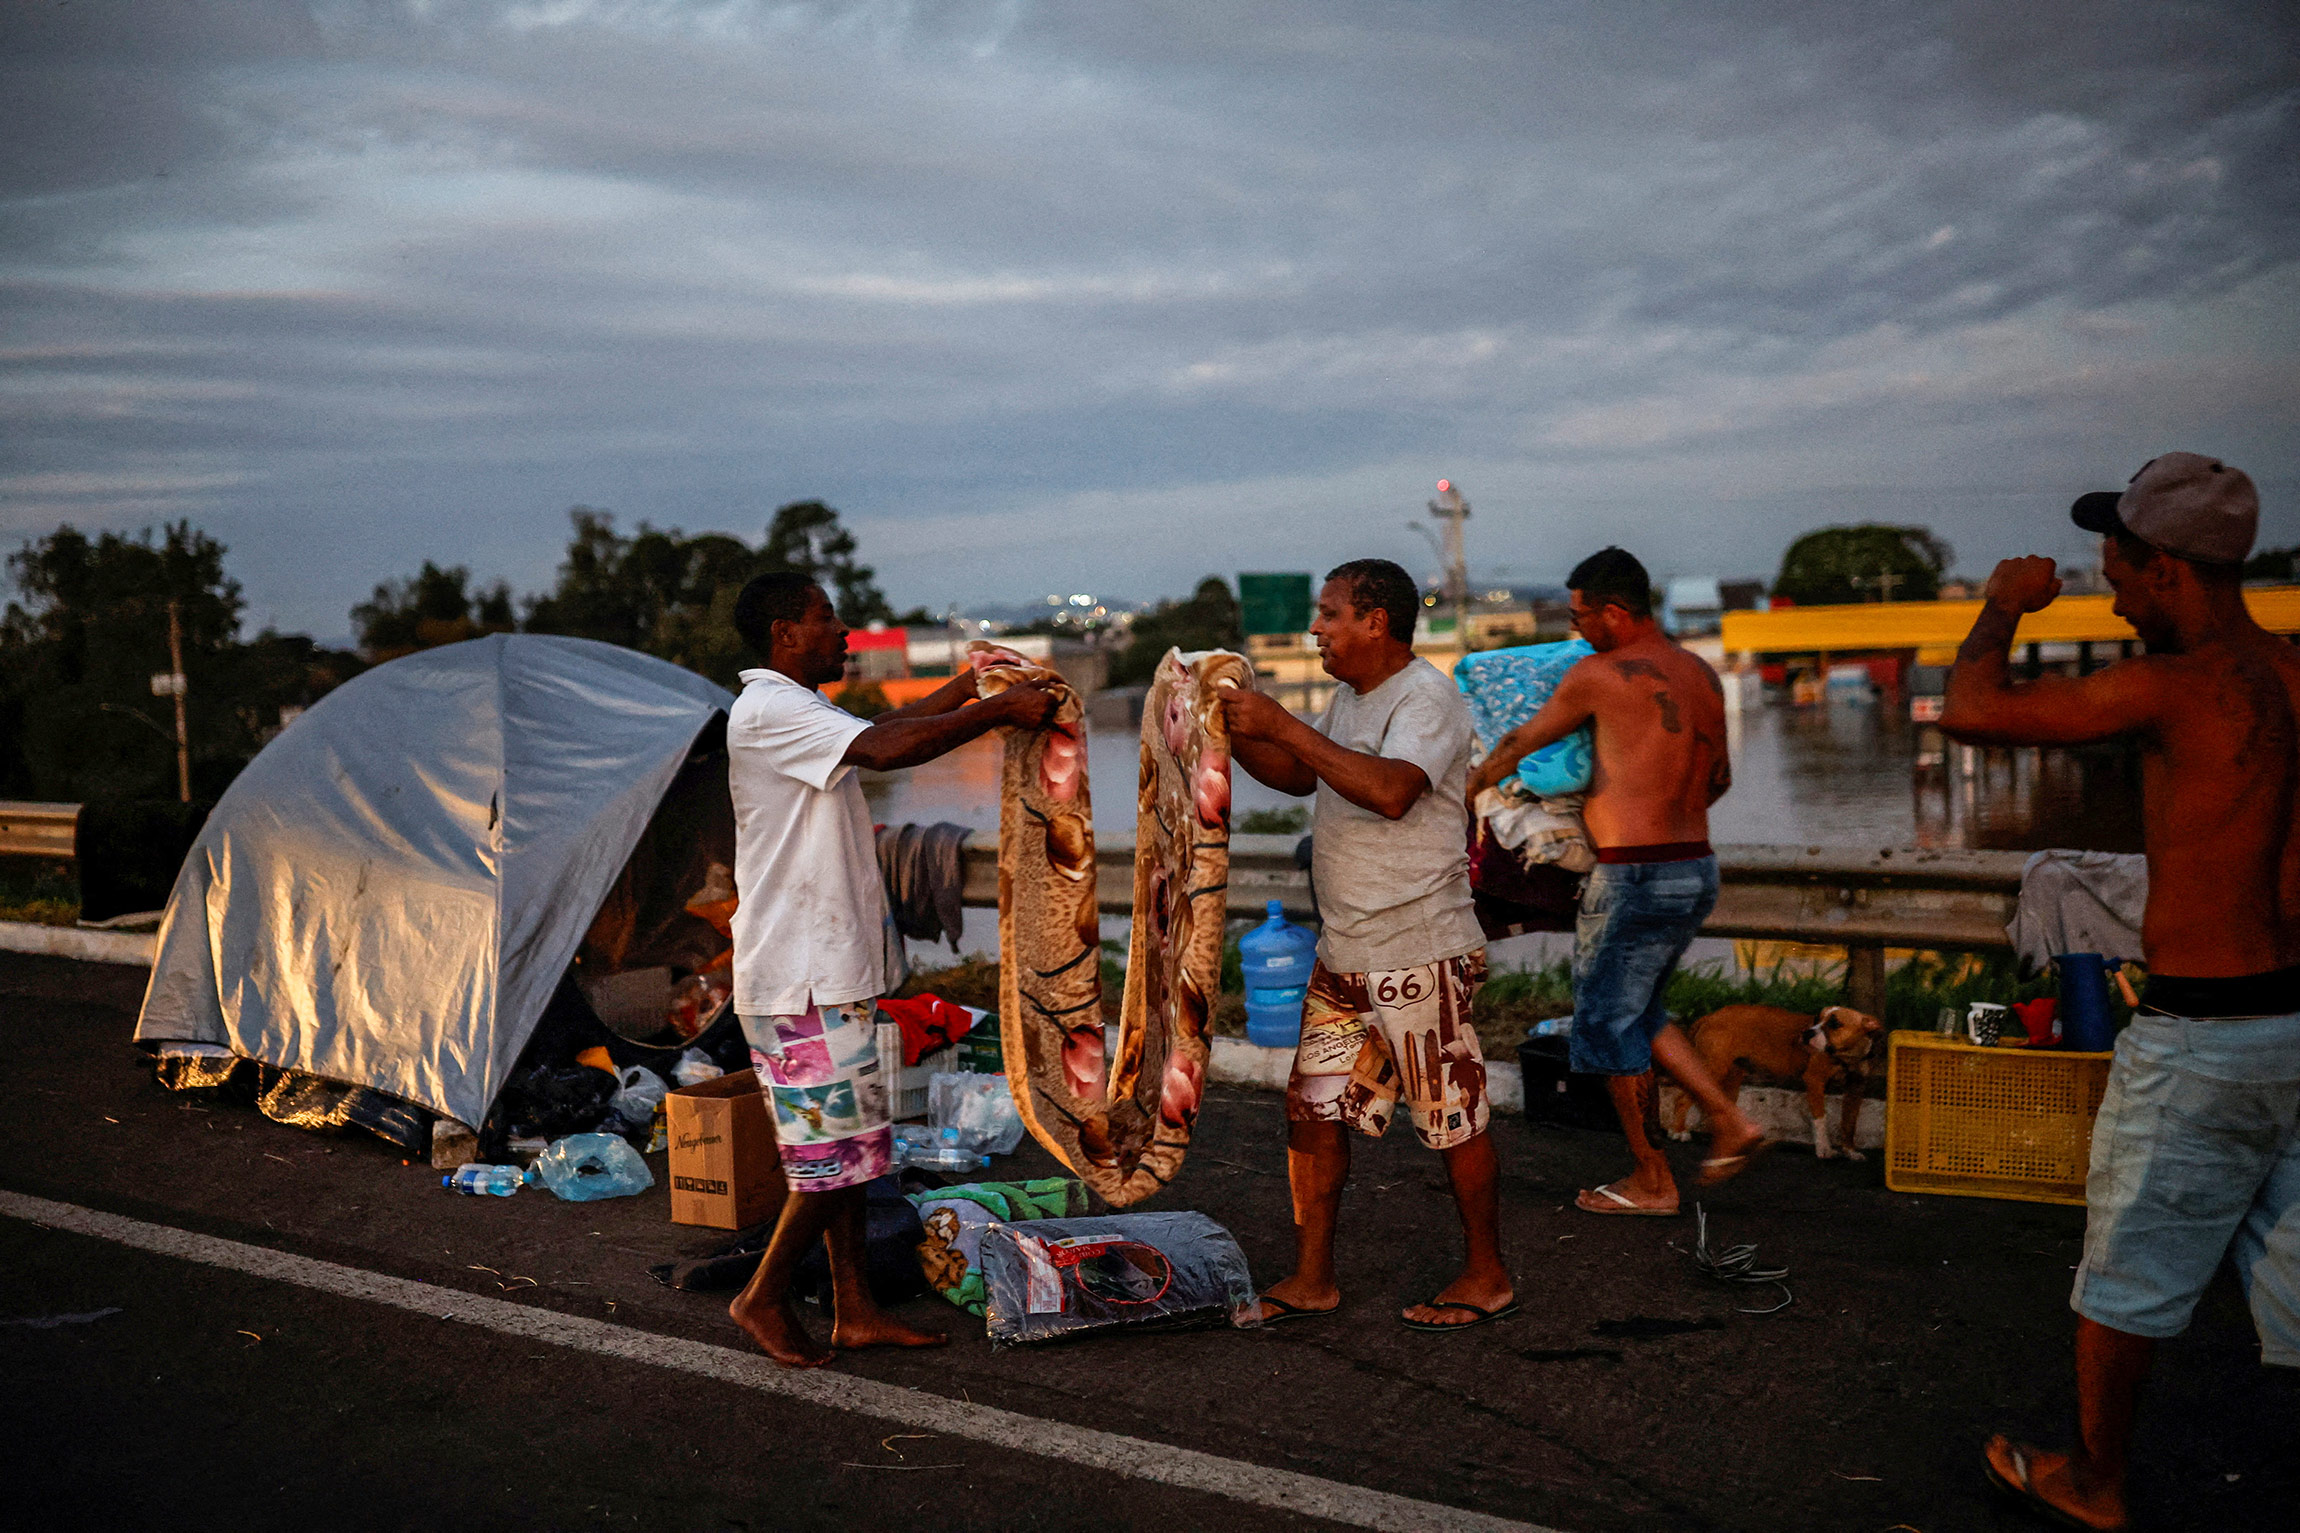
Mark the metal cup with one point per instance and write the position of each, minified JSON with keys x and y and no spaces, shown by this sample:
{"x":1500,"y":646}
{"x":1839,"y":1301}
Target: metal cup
{"x":1949,"y":1023}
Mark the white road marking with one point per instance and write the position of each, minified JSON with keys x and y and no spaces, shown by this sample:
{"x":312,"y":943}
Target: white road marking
{"x":1302,"y":1494}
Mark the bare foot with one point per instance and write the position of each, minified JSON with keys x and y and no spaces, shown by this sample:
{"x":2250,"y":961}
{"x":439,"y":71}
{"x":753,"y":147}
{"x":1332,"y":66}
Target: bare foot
{"x":1488,"y":1291}
{"x":879,"y":1329}
{"x":2055,"y":1484}
{"x":1303,"y":1296}
{"x":776,"y":1328}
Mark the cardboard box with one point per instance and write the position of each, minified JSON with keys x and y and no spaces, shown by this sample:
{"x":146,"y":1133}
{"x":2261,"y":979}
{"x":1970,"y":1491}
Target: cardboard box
{"x":725,"y":1172}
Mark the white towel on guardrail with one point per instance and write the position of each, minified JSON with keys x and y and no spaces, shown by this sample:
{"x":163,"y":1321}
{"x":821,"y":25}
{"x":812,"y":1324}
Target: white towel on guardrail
{"x":2079,"y":902}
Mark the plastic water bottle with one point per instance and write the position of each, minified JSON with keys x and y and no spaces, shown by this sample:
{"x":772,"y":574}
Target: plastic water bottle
{"x":1277,"y":957}
{"x":943,"y":1149}
{"x":1552,"y":1027}
{"x":484,"y":1181}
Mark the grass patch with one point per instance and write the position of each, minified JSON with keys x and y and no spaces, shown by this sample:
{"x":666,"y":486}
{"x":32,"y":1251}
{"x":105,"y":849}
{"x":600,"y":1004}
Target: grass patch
{"x":1513,"y":1000}
{"x":1290,"y":821}
{"x":43,"y":892}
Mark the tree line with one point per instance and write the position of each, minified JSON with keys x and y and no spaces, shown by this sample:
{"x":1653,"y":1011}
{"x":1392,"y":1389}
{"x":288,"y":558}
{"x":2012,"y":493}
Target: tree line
{"x":87,"y":629}
{"x":657,"y":590}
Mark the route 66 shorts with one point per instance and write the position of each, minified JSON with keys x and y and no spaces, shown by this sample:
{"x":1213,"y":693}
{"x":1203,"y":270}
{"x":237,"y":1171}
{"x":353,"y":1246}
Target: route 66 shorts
{"x":820,"y":1073}
{"x":1368,"y":1039}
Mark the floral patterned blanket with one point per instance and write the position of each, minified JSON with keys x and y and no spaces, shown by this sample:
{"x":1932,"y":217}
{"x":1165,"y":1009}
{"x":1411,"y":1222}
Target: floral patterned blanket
{"x":1123,"y":1130}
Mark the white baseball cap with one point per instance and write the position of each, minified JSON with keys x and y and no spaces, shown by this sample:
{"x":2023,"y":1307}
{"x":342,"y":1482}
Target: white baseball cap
{"x":2183,"y":503}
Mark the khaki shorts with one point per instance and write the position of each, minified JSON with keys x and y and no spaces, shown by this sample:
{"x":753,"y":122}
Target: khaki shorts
{"x":1368,"y":1039}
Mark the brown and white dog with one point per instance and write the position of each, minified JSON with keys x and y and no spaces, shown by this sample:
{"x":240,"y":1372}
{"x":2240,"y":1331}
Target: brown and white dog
{"x":1789,"y":1045}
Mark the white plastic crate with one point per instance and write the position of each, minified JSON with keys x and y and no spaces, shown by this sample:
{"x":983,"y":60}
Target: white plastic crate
{"x":906,"y":1085}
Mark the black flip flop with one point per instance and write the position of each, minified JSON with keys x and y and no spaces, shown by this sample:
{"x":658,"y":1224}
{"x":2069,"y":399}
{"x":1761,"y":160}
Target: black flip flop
{"x":1294,"y":1311}
{"x":1483,"y":1315}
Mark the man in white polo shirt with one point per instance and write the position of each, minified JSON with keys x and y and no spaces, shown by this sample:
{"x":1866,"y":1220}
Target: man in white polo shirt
{"x":810,"y":954}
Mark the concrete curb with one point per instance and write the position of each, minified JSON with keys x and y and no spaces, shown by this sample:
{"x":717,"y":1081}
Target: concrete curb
{"x":77,"y":942}
{"x":1239,"y":1063}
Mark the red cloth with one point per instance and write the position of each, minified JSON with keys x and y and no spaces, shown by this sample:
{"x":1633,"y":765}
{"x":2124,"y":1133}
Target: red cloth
{"x":928,"y":1023}
{"x":1511,"y":898}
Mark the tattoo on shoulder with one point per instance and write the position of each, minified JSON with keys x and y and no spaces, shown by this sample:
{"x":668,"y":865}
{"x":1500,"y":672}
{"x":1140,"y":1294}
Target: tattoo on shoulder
{"x":1669,"y":719}
{"x":1635,"y":668}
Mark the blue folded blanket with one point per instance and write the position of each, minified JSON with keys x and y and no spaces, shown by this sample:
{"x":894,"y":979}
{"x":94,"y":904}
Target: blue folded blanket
{"x":1506,"y":687}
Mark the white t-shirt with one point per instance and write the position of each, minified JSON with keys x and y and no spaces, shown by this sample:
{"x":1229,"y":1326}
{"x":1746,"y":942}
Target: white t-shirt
{"x":810,"y":928}
{"x":1394,"y":894}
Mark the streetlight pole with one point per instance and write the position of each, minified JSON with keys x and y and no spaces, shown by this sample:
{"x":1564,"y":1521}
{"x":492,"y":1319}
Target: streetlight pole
{"x":1451,"y":509}
{"x":176,"y":687}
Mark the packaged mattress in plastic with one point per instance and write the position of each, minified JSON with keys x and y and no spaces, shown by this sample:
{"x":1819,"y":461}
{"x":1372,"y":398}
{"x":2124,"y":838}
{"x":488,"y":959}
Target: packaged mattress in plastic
{"x":1052,"y":1278}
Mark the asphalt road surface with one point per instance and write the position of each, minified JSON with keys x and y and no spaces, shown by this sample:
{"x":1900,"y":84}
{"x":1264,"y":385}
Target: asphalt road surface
{"x":208,"y":1319}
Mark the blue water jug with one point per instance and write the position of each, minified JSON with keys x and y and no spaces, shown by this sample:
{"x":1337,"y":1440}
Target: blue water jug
{"x":2085,"y":1022}
{"x":1277,"y":957}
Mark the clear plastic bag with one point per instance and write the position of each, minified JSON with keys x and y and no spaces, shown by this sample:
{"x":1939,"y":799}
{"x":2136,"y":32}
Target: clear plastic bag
{"x":1050,"y":1278}
{"x":980,"y":1107}
{"x":583,"y":1168}
{"x":633,"y":1106}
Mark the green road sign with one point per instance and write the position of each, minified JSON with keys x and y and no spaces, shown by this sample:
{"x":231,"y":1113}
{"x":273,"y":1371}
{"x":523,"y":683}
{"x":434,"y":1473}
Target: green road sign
{"x":1274,"y":603}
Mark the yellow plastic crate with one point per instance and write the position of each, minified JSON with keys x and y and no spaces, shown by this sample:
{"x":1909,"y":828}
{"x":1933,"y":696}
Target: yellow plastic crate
{"x":1990,"y":1123}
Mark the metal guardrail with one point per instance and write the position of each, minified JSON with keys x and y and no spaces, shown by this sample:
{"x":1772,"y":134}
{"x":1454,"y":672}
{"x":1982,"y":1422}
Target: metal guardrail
{"x":1861,"y":901}
{"x":1845,"y":897}
{"x":38,"y":830}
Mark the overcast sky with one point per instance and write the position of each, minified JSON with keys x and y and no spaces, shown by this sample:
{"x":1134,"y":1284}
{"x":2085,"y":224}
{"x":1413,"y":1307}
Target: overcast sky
{"x":1100,"y":297}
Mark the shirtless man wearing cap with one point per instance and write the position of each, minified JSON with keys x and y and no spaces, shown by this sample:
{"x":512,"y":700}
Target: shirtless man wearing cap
{"x":2196,"y":1149}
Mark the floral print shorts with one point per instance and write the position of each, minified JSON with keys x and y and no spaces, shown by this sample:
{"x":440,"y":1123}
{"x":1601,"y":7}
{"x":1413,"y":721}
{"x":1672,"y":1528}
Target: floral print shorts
{"x":819,"y":1070}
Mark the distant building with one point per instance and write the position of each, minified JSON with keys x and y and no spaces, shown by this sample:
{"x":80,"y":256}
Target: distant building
{"x":1692,"y":605}
{"x":877,"y":653}
{"x":938,"y":652}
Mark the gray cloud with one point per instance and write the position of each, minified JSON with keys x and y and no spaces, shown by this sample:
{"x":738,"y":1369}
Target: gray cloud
{"x":1065,"y":295}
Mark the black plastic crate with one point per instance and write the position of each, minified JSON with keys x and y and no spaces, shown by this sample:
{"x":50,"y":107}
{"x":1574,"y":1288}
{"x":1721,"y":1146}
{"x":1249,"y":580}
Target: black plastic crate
{"x":1554,"y":1093}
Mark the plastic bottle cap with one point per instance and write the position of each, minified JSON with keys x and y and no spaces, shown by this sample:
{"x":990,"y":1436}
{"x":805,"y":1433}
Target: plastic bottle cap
{"x":1277,"y":910}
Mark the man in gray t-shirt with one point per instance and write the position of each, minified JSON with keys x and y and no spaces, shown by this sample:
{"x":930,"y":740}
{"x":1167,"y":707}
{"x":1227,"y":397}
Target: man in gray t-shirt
{"x":1401,"y":954}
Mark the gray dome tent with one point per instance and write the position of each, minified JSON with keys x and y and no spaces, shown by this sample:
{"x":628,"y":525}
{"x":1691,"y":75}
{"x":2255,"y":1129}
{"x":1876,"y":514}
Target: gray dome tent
{"x":392,"y":890}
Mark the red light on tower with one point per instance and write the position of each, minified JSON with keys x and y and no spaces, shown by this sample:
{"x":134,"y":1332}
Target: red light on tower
{"x":1445,"y":486}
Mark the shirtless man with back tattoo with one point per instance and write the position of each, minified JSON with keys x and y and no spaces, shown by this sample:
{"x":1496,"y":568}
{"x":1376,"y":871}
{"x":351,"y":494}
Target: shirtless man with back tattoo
{"x":1661,"y":762}
{"x":2196,"y":1151}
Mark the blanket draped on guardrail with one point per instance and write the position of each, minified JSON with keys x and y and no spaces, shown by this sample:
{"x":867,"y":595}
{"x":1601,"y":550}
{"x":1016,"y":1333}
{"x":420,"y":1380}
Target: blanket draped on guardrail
{"x":1124,"y":1131}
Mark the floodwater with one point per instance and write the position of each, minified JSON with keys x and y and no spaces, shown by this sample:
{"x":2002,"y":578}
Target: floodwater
{"x":1846,"y":774}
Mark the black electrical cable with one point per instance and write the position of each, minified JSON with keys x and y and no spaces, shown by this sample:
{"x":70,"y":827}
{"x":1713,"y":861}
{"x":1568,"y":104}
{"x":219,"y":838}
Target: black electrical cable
{"x":1737,"y":1264}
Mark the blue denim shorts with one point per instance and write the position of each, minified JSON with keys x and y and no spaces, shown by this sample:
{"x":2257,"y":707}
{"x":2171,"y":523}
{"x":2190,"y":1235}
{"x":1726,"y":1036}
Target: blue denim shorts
{"x":1637,"y":918}
{"x":2196,"y":1156}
